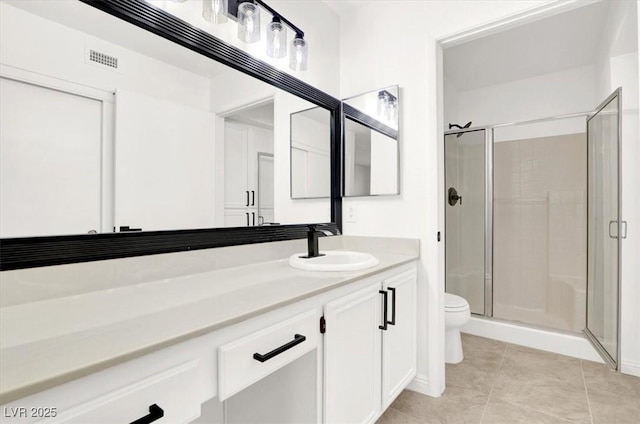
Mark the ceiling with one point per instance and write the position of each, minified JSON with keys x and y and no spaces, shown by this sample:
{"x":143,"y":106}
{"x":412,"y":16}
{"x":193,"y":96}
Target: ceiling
{"x":89,"y":20}
{"x":560,"y":42}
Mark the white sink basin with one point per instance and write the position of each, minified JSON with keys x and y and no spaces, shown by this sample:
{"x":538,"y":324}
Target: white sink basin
{"x":334,"y":260}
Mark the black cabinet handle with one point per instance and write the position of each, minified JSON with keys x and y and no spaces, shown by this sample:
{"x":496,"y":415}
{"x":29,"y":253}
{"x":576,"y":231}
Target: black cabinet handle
{"x":384,"y":294}
{"x":155,"y":413}
{"x":253,"y":198}
{"x":247,"y":213}
{"x":247,"y":191}
{"x":393,"y":305}
{"x":126,"y":229}
{"x":253,"y":217}
{"x":297,"y":339}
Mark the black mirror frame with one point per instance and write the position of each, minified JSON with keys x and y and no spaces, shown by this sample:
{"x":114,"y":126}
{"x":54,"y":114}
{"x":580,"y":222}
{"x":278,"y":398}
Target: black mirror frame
{"x":29,"y":252}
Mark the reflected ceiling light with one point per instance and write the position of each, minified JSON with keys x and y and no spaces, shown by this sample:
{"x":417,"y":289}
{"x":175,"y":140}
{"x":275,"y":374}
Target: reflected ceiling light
{"x":387,"y":106}
{"x":215,"y":11}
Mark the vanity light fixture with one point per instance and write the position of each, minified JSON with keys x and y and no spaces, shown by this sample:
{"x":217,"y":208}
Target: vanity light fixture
{"x":247,"y":13}
{"x":248,"y":16}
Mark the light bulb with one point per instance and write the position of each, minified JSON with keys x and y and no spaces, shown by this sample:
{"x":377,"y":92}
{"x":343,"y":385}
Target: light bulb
{"x":248,"y":22}
{"x":298,"y":54}
{"x":214,"y":11}
{"x":276,"y":39}
{"x":383,"y":106}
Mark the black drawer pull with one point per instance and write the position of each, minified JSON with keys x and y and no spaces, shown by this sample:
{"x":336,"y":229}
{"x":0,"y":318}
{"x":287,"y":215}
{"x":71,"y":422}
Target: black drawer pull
{"x":297,"y":339}
{"x":155,"y":413}
{"x":385,"y":312}
{"x":393,"y":305}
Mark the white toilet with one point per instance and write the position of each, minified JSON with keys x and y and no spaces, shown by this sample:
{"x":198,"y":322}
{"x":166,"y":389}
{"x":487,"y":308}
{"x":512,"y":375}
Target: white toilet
{"x":456,"y":314}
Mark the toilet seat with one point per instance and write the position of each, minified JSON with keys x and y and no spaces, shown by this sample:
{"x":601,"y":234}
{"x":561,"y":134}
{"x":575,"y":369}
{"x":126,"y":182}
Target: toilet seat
{"x":454,"y":303}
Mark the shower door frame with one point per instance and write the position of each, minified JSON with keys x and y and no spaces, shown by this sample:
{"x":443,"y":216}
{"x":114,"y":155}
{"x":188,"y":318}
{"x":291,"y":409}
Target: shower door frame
{"x":614,"y":363}
{"x":488,"y":214}
{"x":489,"y":180}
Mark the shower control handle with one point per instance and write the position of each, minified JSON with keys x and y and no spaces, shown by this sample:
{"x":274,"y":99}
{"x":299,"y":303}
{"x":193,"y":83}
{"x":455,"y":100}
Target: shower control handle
{"x":453,"y":196}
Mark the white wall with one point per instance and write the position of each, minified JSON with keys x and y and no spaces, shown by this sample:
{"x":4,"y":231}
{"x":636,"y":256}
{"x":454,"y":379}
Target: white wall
{"x":377,"y":52}
{"x":618,"y":66}
{"x":557,"y":93}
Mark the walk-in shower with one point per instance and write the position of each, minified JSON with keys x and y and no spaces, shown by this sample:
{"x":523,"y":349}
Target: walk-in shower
{"x":531,"y":217}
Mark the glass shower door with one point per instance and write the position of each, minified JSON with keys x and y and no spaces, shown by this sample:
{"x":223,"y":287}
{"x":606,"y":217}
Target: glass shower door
{"x":604,"y":229}
{"x":467,"y":219}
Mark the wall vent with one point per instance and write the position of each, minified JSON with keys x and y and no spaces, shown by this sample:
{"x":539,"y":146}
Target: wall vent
{"x":103,"y":59}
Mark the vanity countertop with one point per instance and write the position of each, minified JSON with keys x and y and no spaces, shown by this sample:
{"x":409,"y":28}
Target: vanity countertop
{"x":53,"y":341}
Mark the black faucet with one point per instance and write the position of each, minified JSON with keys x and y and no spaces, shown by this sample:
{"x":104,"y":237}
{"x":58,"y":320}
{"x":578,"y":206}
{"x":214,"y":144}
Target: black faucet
{"x":312,"y":240}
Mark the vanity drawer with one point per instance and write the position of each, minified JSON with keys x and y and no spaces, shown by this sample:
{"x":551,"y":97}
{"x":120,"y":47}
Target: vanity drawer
{"x":174,"y":393}
{"x":249,"y":359}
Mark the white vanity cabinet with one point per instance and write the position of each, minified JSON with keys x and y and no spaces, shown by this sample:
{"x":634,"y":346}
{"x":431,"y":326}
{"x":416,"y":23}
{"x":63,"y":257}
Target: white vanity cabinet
{"x":369,"y":360}
{"x":331,"y":357}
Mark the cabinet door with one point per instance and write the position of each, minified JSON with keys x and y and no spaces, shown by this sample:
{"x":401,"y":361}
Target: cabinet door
{"x":399,"y":341}
{"x":352,"y":362}
{"x":236,"y":190}
{"x":237,"y":218}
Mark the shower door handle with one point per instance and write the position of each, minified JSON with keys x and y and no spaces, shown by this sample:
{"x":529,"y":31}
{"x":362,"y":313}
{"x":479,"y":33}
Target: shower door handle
{"x":610,"y":233}
{"x":619,"y":233}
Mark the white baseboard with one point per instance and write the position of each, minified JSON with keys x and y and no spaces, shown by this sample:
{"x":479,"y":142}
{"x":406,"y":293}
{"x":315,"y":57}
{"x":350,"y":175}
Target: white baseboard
{"x":421,"y":385}
{"x":631,"y":368}
{"x":565,"y":344}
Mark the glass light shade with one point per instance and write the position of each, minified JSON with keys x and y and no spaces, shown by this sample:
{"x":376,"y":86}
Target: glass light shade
{"x":276,"y":39}
{"x":298,"y":54}
{"x":215,"y":11}
{"x":248,"y":22}
{"x":383,"y":106}
{"x":392,"y":111}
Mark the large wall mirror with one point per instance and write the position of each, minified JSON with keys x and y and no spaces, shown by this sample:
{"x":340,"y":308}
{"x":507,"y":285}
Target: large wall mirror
{"x":371,"y":147}
{"x":107,"y":127}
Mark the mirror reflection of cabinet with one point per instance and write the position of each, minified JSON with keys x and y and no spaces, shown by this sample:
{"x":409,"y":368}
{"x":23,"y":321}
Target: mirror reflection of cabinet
{"x":310,"y":154}
{"x":244,"y":144}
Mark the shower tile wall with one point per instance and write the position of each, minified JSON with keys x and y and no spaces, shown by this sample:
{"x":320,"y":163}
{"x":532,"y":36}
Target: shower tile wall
{"x":540,"y":231}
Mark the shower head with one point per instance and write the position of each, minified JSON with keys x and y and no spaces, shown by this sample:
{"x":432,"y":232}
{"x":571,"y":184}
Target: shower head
{"x":467,"y":125}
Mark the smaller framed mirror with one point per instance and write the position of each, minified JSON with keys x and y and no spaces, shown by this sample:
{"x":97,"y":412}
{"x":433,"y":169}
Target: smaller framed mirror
{"x":311,"y":154}
{"x":371,"y":144}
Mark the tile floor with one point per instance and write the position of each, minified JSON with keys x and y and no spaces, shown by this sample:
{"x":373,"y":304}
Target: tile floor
{"x":501,"y":383}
